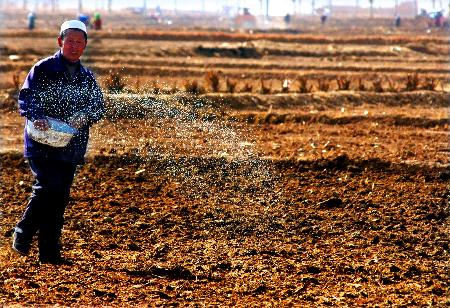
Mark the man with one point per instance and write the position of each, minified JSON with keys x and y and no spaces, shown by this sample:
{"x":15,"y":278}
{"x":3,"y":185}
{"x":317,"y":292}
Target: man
{"x":31,"y":20}
{"x":58,"y":87}
{"x":97,"y":21}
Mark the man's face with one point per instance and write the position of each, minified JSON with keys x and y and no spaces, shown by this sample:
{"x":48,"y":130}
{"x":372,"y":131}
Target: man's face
{"x":73,"y":45}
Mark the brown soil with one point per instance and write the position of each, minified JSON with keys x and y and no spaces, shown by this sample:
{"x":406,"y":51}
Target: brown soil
{"x":307,"y":199}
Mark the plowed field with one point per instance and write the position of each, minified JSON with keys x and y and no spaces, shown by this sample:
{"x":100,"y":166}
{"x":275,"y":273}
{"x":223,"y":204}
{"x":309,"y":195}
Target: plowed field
{"x":244,"y":169}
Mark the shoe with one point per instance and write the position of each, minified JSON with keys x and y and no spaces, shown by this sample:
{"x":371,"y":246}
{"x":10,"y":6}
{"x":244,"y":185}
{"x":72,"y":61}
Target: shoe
{"x":19,"y":244}
{"x":50,"y":251}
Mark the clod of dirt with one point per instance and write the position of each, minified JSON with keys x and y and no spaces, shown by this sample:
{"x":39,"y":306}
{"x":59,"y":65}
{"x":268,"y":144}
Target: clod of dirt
{"x":331,"y":203}
{"x":444,"y":175}
{"x":176,"y":272}
{"x":229,"y":51}
{"x":375,"y":240}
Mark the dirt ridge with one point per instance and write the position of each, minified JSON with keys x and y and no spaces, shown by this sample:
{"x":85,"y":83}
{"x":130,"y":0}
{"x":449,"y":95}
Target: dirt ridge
{"x":234,"y":36}
{"x":136,"y":106}
{"x":216,"y":164}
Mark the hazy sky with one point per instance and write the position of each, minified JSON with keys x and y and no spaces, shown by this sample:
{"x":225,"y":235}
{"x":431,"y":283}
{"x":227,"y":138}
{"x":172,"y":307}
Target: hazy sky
{"x":276,"y":7}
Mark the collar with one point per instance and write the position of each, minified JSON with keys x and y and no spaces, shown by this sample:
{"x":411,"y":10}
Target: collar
{"x":61,"y":63}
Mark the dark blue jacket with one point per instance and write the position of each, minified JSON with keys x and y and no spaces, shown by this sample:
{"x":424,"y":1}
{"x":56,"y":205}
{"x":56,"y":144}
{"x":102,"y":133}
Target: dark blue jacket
{"x":50,"y":91}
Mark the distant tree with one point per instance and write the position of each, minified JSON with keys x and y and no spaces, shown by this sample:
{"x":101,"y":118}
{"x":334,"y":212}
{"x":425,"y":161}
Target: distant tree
{"x":371,"y":8}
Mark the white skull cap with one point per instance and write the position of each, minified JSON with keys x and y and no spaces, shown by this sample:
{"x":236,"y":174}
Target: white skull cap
{"x":73,"y":24}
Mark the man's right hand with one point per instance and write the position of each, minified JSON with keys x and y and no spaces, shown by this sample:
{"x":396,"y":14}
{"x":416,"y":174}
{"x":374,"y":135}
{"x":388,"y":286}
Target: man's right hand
{"x":41,"y":124}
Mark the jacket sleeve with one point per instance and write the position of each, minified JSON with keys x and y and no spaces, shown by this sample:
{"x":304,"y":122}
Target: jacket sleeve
{"x":96,"y":107}
{"x":30,"y":106}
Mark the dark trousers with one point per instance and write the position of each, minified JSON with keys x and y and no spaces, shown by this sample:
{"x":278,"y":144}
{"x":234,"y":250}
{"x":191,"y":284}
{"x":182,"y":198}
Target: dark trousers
{"x":45,"y":210}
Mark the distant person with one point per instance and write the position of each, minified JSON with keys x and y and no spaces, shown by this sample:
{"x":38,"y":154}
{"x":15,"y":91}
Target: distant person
{"x":324,"y":16}
{"x":84,"y":18}
{"x":439,"y":19}
{"x":397,"y":21}
{"x":97,"y":21}
{"x":31,"y":20}
{"x":59,"y":87}
{"x":246,"y":20}
{"x":287,"y":19}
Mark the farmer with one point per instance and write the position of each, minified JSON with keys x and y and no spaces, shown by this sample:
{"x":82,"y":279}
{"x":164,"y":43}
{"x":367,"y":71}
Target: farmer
{"x":97,"y":21}
{"x":58,"y":87}
{"x":287,"y":19}
{"x":31,"y":20}
{"x":324,"y":16}
{"x":397,"y":21}
{"x":84,"y":18}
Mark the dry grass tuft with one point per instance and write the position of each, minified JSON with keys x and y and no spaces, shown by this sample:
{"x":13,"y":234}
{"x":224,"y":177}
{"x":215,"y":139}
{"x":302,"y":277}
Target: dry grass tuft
{"x":248,"y":87}
{"x":265,"y":89}
{"x":230,"y":85}
{"x":431,"y":84}
{"x":303,"y":85}
{"x":16,"y":81}
{"x":212,"y":80}
{"x":193,"y":87}
{"x":156,"y":89}
{"x":378,"y":85}
{"x":114,"y":82}
{"x":323,"y":84}
{"x":412,"y":82}
{"x":361,"y":86}
{"x":343,"y":83}
{"x":392,"y":85}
